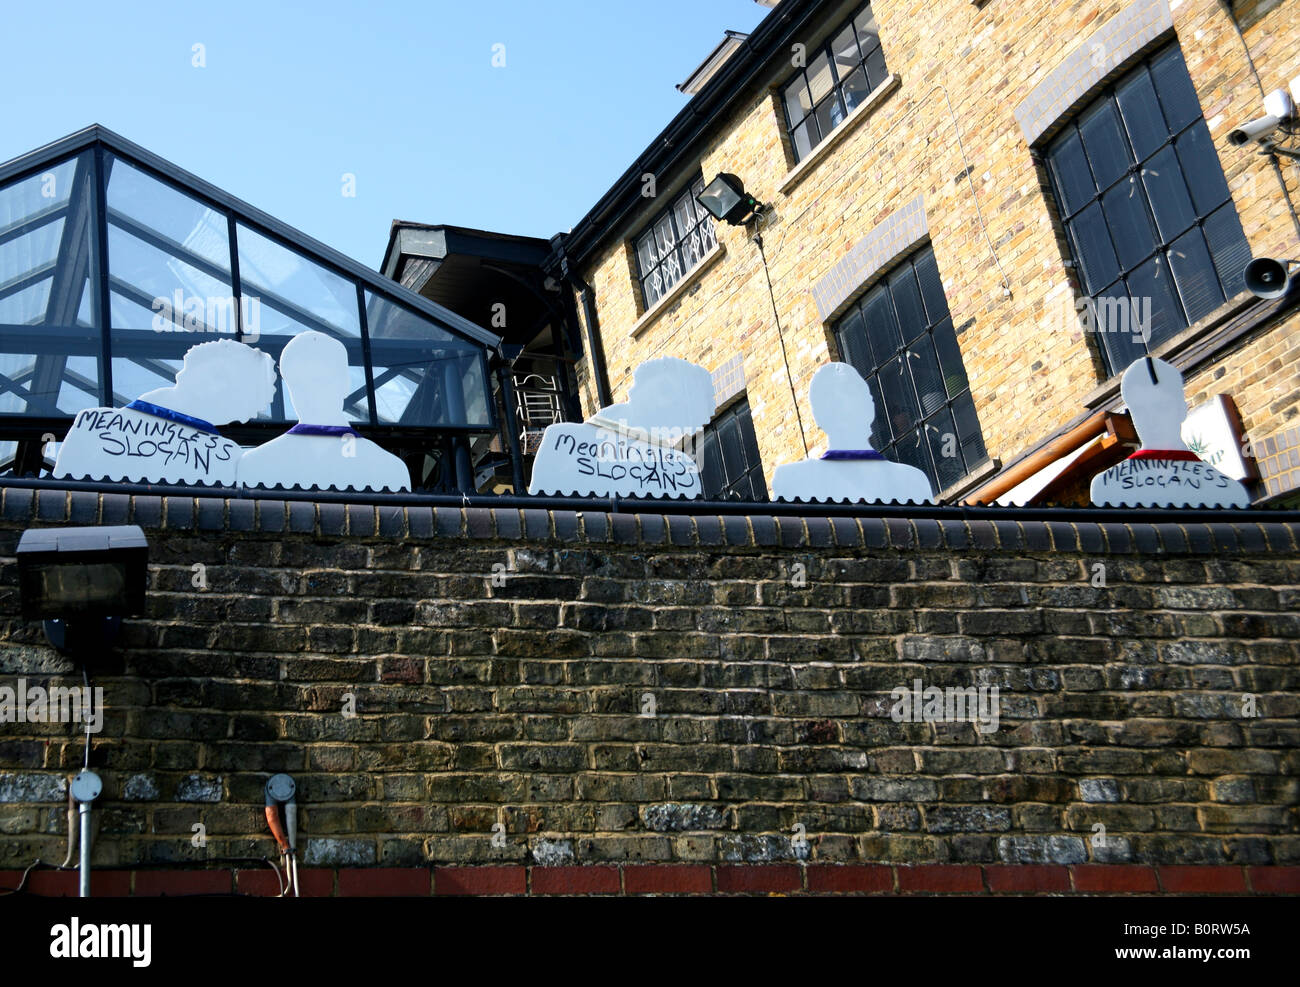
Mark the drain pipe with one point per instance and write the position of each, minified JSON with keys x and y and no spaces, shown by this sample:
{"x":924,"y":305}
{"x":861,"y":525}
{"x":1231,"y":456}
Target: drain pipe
{"x":280,"y":789}
{"x":590,"y":323}
{"x":85,"y":789}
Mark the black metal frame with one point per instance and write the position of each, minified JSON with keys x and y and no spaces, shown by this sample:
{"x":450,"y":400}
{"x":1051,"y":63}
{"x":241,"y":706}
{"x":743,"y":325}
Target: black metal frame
{"x":677,"y":251}
{"x":836,"y":94}
{"x":671,"y":505}
{"x":935,"y":321}
{"x":87,"y":216}
{"x":1134,"y":176}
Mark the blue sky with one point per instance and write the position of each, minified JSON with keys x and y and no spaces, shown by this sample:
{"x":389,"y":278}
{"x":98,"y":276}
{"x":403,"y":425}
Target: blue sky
{"x":403,"y":95}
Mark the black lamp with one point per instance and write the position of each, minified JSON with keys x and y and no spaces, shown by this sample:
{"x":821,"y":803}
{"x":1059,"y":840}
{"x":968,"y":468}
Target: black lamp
{"x":82,"y":582}
{"x":725,"y":198}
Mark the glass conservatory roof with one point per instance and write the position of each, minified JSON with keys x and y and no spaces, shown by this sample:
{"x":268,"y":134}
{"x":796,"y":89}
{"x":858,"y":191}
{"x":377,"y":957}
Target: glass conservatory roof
{"x":114,"y":262}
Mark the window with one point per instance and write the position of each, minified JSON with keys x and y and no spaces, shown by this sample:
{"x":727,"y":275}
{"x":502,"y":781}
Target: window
{"x":674,"y":242}
{"x":837,"y":78}
{"x":728,"y":456}
{"x":900,"y":337}
{"x":1152,"y":229}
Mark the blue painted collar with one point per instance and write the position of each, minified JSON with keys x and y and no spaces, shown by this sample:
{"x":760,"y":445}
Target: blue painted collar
{"x":158,"y":411}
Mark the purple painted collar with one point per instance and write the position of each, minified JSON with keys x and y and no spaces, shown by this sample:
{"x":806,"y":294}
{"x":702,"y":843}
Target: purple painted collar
{"x":304,"y":429}
{"x":851,"y":454}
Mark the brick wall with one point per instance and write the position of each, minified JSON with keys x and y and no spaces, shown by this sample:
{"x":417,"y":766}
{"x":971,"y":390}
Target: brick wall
{"x":673,"y":690}
{"x":964,"y":71}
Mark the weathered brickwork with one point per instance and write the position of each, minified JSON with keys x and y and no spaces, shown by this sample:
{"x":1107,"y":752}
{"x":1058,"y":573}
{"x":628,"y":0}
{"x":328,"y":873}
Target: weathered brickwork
{"x":949,"y":134}
{"x":648,"y":689}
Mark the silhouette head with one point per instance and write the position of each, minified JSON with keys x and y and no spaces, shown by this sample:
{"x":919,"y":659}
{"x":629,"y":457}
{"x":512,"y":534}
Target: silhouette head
{"x":842,"y":406}
{"x":222,"y":381}
{"x":315,"y":371}
{"x":1153,"y":393}
{"x":668,"y":395}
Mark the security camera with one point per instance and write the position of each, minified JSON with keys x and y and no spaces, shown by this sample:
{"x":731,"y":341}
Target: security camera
{"x":1280,"y":112}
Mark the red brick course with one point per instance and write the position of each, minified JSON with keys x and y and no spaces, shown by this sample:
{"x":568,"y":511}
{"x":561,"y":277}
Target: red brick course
{"x":683,"y":879}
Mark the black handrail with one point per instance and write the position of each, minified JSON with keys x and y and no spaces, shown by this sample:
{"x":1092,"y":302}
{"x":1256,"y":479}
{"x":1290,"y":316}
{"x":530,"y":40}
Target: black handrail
{"x":666,"y":505}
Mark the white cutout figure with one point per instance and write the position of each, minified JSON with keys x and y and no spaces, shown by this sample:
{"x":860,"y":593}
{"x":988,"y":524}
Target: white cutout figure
{"x":849,"y":469}
{"x":1164,"y":472}
{"x":168,"y":435}
{"x":322,"y":450}
{"x":629,"y":449}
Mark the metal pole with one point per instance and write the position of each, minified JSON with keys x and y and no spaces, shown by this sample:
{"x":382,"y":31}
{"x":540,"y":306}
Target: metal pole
{"x":85,"y":850}
{"x":505,"y":374}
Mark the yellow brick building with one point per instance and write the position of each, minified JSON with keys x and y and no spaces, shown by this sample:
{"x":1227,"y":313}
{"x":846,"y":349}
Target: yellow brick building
{"x":943,"y":141}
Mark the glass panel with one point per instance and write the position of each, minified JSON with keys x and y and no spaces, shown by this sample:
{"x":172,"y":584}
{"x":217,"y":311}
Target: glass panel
{"x":797,"y":103}
{"x":653,"y":285}
{"x":1107,"y":150}
{"x":1170,"y":202}
{"x":733,"y":457}
{"x":424,"y":375}
{"x":293,"y":292}
{"x":1070,"y":169}
{"x":829,"y":114}
{"x":869,"y":44}
{"x":854,"y":348}
{"x":1201,"y":168}
{"x":1130,"y":229}
{"x":876,"y":69}
{"x":941,"y":433}
{"x":1194,"y":273}
{"x":645,"y":254}
{"x":137,"y":199}
{"x":1229,"y":248}
{"x":684,"y":215}
{"x":16,"y":396}
{"x":856,"y":89}
{"x":968,"y":430}
{"x":926,"y":375}
{"x":712,"y":479}
{"x":900,"y":400}
{"x":49,"y":351}
{"x":907,"y":303}
{"x":865,"y":25}
{"x":1110,"y":318}
{"x":912,"y":449}
{"x":882,"y":326}
{"x":804,"y":138}
{"x":819,"y":77}
{"x":32,"y":216}
{"x":844,"y":49}
{"x":1141,"y":112}
{"x":168,"y":294}
{"x":881,"y":435}
{"x":927,"y":272}
{"x":1175,"y":88}
{"x":1151,"y":290}
{"x":749,"y":440}
{"x":169,"y":270}
{"x":1093,"y":249}
{"x":27,"y":306}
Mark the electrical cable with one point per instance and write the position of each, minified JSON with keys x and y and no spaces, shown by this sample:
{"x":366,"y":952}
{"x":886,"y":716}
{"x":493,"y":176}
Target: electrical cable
{"x":1231,"y":14}
{"x":5,"y":892}
{"x":794,"y":396}
{"x":85,"y":677}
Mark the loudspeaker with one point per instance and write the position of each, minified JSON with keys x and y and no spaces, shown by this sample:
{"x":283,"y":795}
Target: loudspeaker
{"x":1266,"y":277}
